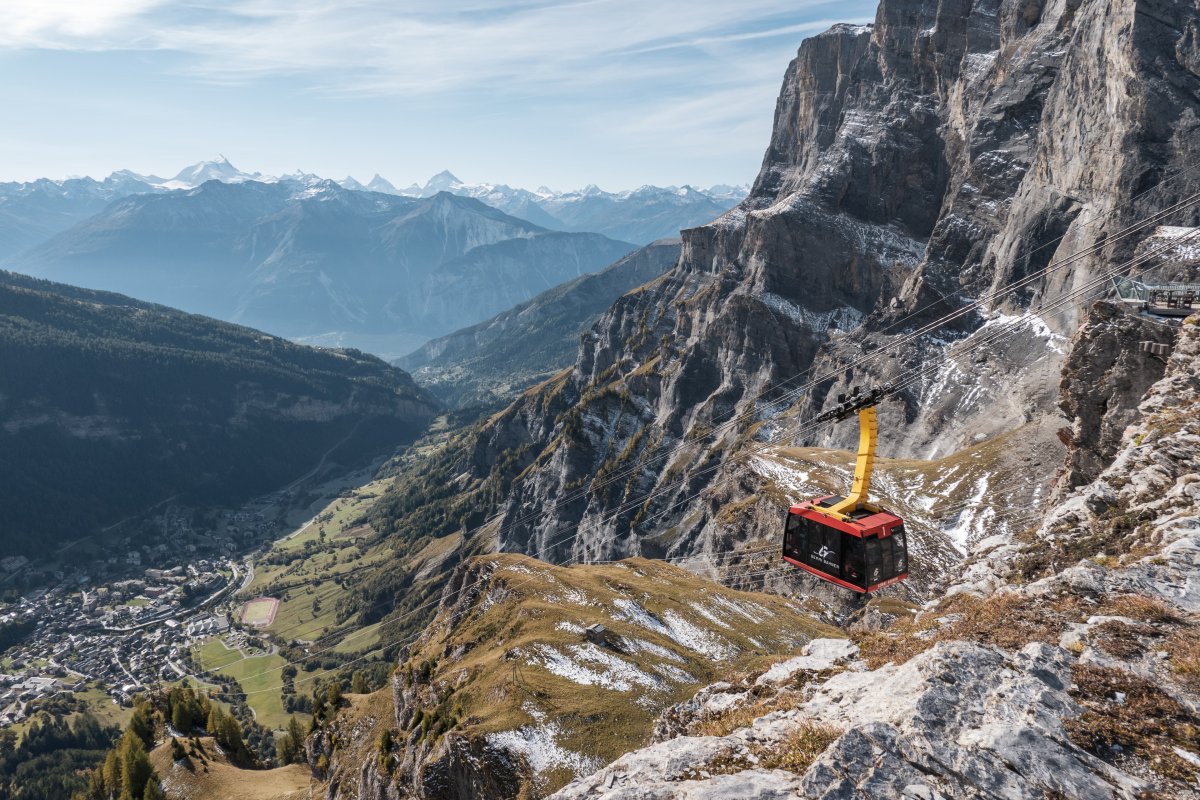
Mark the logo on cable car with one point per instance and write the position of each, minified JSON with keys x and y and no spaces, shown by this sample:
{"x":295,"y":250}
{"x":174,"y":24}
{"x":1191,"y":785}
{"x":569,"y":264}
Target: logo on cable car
{"x":875,"y":574}
{"x":825,"y":556}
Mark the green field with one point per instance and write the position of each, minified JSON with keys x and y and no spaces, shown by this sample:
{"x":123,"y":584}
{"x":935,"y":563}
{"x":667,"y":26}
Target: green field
{"x":253,"y":675}
{"x":315,"y":556}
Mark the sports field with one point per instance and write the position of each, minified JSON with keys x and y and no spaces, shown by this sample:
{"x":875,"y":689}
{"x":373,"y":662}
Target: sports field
{"x":260,"y":612}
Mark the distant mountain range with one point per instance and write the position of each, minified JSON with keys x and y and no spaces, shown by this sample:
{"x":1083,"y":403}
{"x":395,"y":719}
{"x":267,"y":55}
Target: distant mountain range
{"x":317,"y":262}
{"x":341,"y":263}
{"x":31,"y":212}
{"x":640,"y":215}
{"x":491,"y":362}
{"x":109,"y":405}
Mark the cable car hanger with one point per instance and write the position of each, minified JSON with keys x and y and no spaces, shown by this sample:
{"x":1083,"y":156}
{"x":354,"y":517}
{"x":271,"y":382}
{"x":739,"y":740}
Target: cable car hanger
{"x":850,"y":541}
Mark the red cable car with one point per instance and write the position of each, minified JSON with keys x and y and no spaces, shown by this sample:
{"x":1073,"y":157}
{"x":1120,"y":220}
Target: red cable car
{"x":849,"y":541}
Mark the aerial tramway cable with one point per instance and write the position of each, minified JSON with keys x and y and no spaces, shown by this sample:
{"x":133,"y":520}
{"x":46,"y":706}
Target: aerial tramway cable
{"x":791,"y":394}
{"x":918,"y":373}
{"x":1000,"y":336}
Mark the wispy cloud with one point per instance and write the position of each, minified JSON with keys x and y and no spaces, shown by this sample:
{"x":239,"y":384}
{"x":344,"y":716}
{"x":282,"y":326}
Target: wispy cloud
{"x":420,"y":46}
{"x":70,"y":24}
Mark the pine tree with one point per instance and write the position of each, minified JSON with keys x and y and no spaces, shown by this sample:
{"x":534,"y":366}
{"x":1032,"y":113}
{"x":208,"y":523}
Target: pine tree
{"x":318,"y":704}
{"x":97,"y":789}
{"x":285,"y":750}
{"x":135,"y":764}
{"x":180,"y":718}
{"x":111,"y":772}
{"x":154,"y":791}
{"x":213,"y":723}
{"x":140,"y":724}
{"x":358,"y":683}
{"x":295,"y":733}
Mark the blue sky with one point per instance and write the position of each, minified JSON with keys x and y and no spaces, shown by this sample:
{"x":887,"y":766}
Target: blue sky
{"x":526,"y":92}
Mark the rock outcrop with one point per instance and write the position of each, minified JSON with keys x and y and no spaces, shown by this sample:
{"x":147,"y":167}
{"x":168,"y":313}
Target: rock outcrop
{"x":1105,"y":375}
{"x":1079,"y":683}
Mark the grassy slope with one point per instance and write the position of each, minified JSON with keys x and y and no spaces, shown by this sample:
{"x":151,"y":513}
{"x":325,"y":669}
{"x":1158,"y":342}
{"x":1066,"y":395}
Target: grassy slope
{"x":501,"y":680}
{"x":317,"y":554}
{"x":218,"y":780}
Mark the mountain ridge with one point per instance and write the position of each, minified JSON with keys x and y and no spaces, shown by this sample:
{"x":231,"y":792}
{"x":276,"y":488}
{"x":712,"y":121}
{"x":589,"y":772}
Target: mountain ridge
{"x":301,"y":260}
{"x":493,"y":360}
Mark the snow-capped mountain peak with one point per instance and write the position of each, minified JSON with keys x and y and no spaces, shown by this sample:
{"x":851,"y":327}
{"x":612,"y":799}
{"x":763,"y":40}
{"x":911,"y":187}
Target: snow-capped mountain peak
{"x":381,"y":184}
{"x":219,"y":170}
{"x":444,"y":181}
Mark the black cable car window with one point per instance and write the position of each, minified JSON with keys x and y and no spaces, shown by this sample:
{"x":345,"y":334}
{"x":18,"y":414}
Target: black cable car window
{"x":901,"y":539}
{"x":874,"y":568}
{"x":887,"y":558}
{"x":794,"y":541}
{"x":854,"y":565}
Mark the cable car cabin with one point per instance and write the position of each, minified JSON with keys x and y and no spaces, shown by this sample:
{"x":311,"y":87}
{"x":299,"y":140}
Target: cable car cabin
{"x":849,"y":540}
{"x":868,"y":552}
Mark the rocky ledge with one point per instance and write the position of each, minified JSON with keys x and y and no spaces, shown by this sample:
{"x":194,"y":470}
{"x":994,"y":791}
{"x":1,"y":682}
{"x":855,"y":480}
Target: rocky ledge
{"x":1066,"y":663}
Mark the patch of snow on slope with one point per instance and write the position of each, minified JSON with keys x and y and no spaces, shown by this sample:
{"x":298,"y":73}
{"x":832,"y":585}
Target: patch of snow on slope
{"x":971,"y":520}
{"x":794,"y":481}
{"x":817,"y":322}
{"x":614,"y":673}
{"x":702,"y":641}
{"x":633,"y":611}
{"x":635,"y":645}
{"x":691,"y":636}
{"x":538,"y":744}
{"x":708,"y":615}
{"x":751,"y":611}
{"x":1186,"y":250}
{"x":674,"y":673}
{"x":569,"y":627}
{"x":1033,"y":322}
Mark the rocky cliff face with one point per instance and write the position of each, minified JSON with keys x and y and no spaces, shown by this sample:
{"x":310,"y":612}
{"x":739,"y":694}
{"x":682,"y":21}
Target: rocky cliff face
{"x":916,"y":164}
{"x":1105,"y":376}
{"x":1064,"y":665}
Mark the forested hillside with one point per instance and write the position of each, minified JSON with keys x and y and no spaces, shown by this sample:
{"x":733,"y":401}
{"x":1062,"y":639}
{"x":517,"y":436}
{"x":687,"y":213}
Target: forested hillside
{"x":109,"y":405}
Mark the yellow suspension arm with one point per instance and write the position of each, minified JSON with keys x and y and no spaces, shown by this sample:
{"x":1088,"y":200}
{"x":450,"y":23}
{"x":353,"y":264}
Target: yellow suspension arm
{"x":868,"y":434}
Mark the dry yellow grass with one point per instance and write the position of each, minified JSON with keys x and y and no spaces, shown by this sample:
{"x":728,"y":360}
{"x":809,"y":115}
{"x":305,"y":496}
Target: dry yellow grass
{"x":213,"y":778}
{"x":1184,"y":647}
{"x":495,"y":675}
{"x":1145,"y":721}
{"x":1139,"y":607}
{"x":728,"y":721}
{"x":795,"y":753}
{"x":1010,"y":621}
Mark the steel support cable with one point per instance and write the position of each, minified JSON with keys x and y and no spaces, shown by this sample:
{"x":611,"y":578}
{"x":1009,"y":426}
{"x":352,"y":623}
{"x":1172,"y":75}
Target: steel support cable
{"x":1057,"y":303}
{"x":975,"y":305}
{"x":1016,"y":285}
